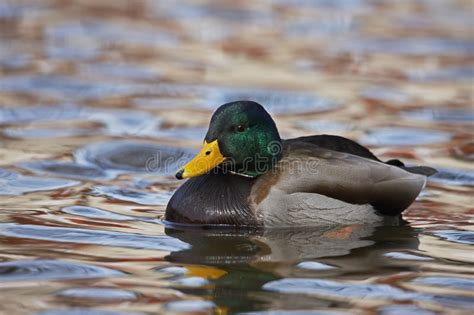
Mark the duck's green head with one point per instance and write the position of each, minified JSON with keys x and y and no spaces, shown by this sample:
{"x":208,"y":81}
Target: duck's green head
{"x":242,"y":137}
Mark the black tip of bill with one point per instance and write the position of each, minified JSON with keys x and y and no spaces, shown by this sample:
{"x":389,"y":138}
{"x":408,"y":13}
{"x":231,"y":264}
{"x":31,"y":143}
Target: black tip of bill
{"x":179,"y":174}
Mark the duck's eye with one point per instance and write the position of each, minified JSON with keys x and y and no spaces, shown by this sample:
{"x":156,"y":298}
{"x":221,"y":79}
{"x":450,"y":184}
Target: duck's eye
{"x":240,"y":128}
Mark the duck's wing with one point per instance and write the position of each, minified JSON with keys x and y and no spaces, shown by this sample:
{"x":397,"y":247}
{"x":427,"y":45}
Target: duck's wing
{"x":341,"y":144}
{"x":307,"y":168}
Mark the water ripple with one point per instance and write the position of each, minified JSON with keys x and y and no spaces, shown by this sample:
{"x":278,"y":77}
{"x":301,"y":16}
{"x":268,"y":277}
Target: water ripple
{"x":114,"y":122}
{"x":385,"y":94}
{"x":411,"y":46}
{"x":329,"y":288}
{"x":404,"y":309}
{"x":124,"y":156}
{"x":314,"y":265}
{"x":84,"y":311}
{"x":83,"y":236}
{"x":448,"y":74}
{"x":34,"y":270}
{"x":132,"y":195}
{"x":28,"y":132}
{"x":276,"y":101}
{"x":406,"y":256}
{"x":445,"y":115}
{"x":65,"y":169}
{"x":339,"y":289}
{"x":15,"y":184}
{"x":67,"y":87}
{"x":392,"y":136}
{"x":109,"y":71}
{"x":445,"y":281}
{"x":98,"y":294}
{"x":462,"y":237}
{"x":456,"y":177}
{"x":14,"y":115}
{"x":95,"y":213}
{"x":190,"y":306}
{"x":295,"y":312}
{"x":106,"y":32}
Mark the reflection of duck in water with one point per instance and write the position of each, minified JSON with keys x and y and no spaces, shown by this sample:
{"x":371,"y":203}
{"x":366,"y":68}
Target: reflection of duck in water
{"x":257,"y":179}
{"x":244,"y":247}
{"x":239,"y":262}
{"x":230,"y":247}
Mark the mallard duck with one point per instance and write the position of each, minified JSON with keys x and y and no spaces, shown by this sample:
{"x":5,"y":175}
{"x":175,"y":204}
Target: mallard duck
{"x":246,"y":175}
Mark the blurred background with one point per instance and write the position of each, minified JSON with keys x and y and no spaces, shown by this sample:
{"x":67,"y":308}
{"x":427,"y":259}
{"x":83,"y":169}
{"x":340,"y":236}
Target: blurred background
{"x":94,"y":95}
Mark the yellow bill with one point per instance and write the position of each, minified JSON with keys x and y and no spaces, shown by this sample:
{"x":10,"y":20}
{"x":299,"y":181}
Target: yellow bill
{"x":209,"y":157}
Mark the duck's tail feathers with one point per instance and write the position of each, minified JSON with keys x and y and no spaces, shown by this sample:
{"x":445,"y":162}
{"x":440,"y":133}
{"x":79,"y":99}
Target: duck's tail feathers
{"x":421,"y":170}
{"x":395,"y":162}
